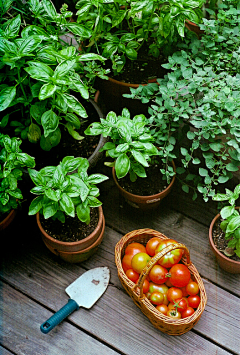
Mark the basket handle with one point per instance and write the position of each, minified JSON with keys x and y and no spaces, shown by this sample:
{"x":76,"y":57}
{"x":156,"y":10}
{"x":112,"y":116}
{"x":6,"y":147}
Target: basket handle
{"x":155,"y":259}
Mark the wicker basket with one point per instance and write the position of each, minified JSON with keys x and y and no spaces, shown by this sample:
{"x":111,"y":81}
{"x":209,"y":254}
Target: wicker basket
{"x":160,"y":321}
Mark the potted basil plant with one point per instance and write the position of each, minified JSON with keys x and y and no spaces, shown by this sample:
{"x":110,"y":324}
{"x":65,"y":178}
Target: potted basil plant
{"x":134,"y":153}
{"x":12,"y":164}
{"x":224,"y":232}
{"x":46,"y":80}
{"x":69,"y":214}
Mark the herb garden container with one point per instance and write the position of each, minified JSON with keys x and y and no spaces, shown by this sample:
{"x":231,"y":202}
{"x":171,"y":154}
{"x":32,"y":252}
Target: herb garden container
{"x":143,"y":202}
{"x":160,"y":321}
{"x":225,"y":263}
{"x":7,"y":220}
{"x":75,"y":252}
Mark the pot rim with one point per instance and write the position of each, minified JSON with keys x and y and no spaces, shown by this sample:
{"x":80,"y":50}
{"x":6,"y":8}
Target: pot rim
{"x":8,"y":219}
{"x":89,"y":237}
{"x":149,"y":196}
{"x":213,"y":245}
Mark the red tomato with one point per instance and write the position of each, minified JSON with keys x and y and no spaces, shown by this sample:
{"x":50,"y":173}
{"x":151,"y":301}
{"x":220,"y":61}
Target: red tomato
{"x":173,"y":294}
{"x":179,"y":275}
{"x":156,"y":298}
{"x":158,"y":274}
{"x":172,"y":257}
{"x":192,"y":288}
{"x":145,"y":286}
{"x":194,"y":301}
{"x":127,"y":262}
{"x":135,"y":248}
{"x":151,"y":245}
{"x":184,"y":291}
{"x":168,"y":283}
{"x":174,"y":314}
{"x":162,"y":308}
{"x":181,"y":304}
{"x":188,"y":312}
{"x":139,"y":261}
{"x":132,"y":275}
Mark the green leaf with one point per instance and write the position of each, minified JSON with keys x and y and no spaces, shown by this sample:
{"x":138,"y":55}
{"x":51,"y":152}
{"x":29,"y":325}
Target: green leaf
{"x":35,"y":205}
{"x":6,"y":97}
{"x":139,"y":157}
{"x":79,"y":30}
{"x":50,"y":209}
{"x":29,"y":44}
{"x":51,"y":141}
{"x":90,"y":56}
{"x":46,"y":91}
{"x":73,"y":119}
{"x":75,"y":105}
{"x":67,"y":205}
{"x":73,"y":133}
{"x":83,"y":213}
{"x":63,"y":68}
{"x":96,"y":178}
{"x":52,"y":195}
{"x":122,"y":165}
{"x":49,"y":122}
{"x":203,"y":172}
{"x":216,"y":146}
{"x":233,"y":224}
{"x":39,"y":71}
{"x":94,"y":202}
{"x":123,"y":130}
{"x":13,"y":27}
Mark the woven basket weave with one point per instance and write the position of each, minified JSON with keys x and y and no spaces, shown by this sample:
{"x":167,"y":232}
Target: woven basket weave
{"x":160,"y":321}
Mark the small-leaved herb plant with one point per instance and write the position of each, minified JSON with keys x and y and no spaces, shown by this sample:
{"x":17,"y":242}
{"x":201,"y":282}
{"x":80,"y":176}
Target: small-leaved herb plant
{"x":130,"y":144}
{"x":43,"y":76}
{"x":65,"y":190}
{"x":12,"y":164}
{"x":230,"y":219}
{"x":195,"y":109}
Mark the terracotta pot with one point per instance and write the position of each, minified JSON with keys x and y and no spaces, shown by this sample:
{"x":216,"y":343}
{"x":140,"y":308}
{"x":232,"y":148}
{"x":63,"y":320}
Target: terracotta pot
{"x":224,"y":262}
{"x":75,"y":251}
{"x":191,"y":26}
{"x":6,"y":221}
{"x":143,"y":202}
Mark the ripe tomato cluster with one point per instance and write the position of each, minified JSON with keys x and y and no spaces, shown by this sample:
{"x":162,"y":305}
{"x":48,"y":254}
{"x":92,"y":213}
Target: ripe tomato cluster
{"x":169,"y":285}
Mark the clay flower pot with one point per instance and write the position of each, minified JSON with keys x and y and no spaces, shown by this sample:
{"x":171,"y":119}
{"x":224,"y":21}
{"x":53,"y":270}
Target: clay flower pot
{"x":7,"y":220}
{"x":224,"y":262}
{"x":143,"y":202}
{"x":78,"y":251}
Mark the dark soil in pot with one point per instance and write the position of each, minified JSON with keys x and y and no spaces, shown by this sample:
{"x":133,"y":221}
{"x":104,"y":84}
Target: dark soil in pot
{"x":151,"y":185}
{"x":72,"y":230}
{"x":221,"y":243}
{"x":143,"y":69}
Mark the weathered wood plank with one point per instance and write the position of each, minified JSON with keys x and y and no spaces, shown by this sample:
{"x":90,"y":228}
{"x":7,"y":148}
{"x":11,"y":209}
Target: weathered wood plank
{"x":4,"y":351}
{"x":21,"y":334}
{"x":124,"y":218}
{"x":40,"y":275}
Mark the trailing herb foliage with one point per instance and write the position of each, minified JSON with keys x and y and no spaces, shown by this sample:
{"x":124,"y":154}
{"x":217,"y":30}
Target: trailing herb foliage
{"x":231,"y":218}
{"x":43,"y":75}
{"x":63,"y":191}
{"x":131,"y":144}
{"x":12,"y":164}
{"x":119,"y":29}
{"x":198,"y":102}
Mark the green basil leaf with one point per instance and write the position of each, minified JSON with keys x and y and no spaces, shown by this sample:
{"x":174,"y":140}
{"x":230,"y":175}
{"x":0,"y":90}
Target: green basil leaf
{"x":63,"y":68}
{"x":96,"y":178}
{"x":39,"y":71}
{"x":227,"y":211}
{"x":28,"y":45}
{"x":51,"y":140}
{"x":93,"y":202}
{"x":75,"y":105}
{"x":67,"y":205}
{"x":49,"y":8}
{"x":52,"y":195}
{"x":233,"y":224}
{"x":35,"y":205}
{"x":73,"y":133}
{"x":122,"y":165}
{"x":73,"y":119}
{"x":83,"y":213}
{"x":79,"y":30}
{"x":50,"y":209}
{"x":13,"y":27}
{"x":47,"y":90}
{"x":7,"y":95}
{"x":90,"y":56}
{"x":139,"y":157}
{"x":49,"y":122}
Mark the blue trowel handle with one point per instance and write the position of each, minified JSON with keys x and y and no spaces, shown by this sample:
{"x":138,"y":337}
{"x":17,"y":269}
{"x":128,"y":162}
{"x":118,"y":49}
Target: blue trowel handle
{"x":59,"y":316}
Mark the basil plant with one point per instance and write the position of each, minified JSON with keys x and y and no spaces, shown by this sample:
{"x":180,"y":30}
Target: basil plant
{"x":118,"y":30}
{"x":12,"y":164}
{"x":44,"y":77}
{"x":130,"y":144}
{"x":65,"y":189}
{"x":230,"y":219}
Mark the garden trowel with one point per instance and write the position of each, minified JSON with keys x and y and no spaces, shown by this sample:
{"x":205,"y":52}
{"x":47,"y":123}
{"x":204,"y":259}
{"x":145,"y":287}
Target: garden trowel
{"x":83,"y":292}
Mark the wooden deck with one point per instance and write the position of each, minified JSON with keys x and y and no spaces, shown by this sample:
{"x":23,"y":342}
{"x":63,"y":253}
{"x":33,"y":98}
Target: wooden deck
{"x":33,"y":282}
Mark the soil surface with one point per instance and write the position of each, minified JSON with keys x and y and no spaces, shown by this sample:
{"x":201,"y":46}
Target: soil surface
{"x":72,"y":230}
{"x":151,"y":185}
{"x":221,"y":243}
{"x":143,"y":69}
